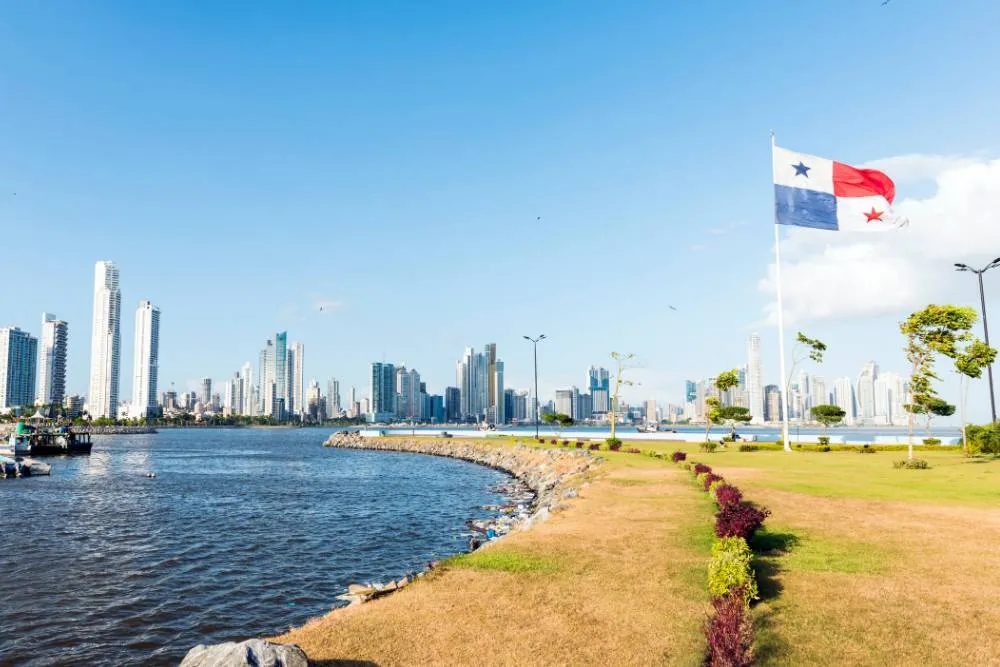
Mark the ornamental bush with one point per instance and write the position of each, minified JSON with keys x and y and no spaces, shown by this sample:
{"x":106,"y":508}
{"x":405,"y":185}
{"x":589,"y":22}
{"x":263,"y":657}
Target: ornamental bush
{"x":700,"y":468}
{"x":983,"y":439}
{"x":709,"y":446}
{"x":911,"y":464}
{"x":741,"y":519}
{"x":866,"y":449}
{"x":678,"y":456}
{"x":709,"y":479}
{"x":729,"y":632}
{"x":727,"y":494}
{"x":824,"y":440}
{"x":730,"y":569}
{"x":932,"y":441}
{"x":747,"y":447}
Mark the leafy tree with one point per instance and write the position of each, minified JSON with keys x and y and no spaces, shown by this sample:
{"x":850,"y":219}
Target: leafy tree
{"x":944,"y":330}
{"x":724,"y":381}
{"x":733,"y":415}
{"x":983,"y":439}
{"x":827,"y":415}
{"x":558,"y":420}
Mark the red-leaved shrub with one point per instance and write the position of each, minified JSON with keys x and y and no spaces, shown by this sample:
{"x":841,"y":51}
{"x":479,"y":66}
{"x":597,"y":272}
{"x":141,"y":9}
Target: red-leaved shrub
{"x":678,"y":456}
{"x":700,"y":468}
{"x":729,"y":632}
{"x":579,"y":445}
{"x":595,"y":446}
{"x":727,"y":495}
{"x":711,"y":477}
{"x":741,"y":519}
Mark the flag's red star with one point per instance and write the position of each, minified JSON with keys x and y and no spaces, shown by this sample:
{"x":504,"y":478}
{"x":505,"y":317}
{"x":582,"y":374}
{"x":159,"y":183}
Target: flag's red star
{"x":874,"y":215}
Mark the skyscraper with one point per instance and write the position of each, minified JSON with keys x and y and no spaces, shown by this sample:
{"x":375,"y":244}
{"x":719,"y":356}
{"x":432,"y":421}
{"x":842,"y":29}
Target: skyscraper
{"x":146,"y":366}
{"x":382,"y":406}
{"x":499,"y":406}
{"x":266,"y":392}
{"x":248,"y":406}
{"x":843,"y":398}
{"x":105,"y":342}
{"x":772,"y":403}
{"x":564,"y":401}
{"x":490,"y":352}
{"x":18,"y":358}
{"x":408,"y":393}
{"x":205,"y":392}
{"x":599,"y":382}
{"x":651,"y":411}
{"x":296,"y":380}
{"x":452,"y":404}
{"x":52,"y":361}
{"x":281,"y":368}
{"x":755,"y":380}
{"x":332,"y":398}
{"x":866,"y":392}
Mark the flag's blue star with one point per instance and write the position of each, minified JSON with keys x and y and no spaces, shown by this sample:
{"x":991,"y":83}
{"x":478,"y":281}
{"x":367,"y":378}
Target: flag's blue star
{"x":801,"y":169}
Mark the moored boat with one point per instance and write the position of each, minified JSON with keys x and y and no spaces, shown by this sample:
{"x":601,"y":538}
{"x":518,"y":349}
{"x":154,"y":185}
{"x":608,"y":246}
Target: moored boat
{"x":33,"y":467}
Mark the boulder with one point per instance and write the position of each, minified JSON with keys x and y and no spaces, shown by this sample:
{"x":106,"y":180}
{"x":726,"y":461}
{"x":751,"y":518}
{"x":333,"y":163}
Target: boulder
{"x":250,"y":653}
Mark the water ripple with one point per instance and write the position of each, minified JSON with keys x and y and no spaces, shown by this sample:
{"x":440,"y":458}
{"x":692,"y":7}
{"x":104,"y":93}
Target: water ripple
{"x":241,"y":533}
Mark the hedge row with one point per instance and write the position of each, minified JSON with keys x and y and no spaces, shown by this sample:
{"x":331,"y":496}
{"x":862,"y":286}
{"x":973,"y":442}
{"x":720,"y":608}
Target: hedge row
{"x":731,"y":581}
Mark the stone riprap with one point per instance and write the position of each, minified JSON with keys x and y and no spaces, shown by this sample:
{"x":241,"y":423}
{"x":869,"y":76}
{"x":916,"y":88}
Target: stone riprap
{"x":249,"y":653}
{"x":545,"y":471}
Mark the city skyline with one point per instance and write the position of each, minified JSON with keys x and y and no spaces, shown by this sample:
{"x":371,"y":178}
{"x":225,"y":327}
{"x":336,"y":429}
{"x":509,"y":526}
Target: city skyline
{"x":583,"y":160}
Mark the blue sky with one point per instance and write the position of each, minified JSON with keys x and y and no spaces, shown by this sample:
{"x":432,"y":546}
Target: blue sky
{"x":243,"y":162}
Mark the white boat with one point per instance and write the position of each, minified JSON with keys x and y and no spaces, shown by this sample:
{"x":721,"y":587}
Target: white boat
{"x":34,"y":467}
{"x":9,"y":467}
{"x":647,"y":428}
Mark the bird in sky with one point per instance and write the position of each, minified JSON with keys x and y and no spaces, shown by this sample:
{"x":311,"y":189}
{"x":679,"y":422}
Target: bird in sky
{"x":671,"y":307}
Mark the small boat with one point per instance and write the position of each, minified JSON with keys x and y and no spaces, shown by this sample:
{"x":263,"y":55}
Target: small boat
{"x":19,"y":443}
{"x":647,"y":428}
{"x":9,"y":467}
{"x":34,"y":467}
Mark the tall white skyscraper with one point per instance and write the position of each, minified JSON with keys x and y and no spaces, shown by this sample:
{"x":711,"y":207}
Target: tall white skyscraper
{"x":843,"y":398}
{"x":18,"y":357}
{"x":52,"y":361}
{"x":866,"y":392}
{"x":266,"y":383}
{"x":248,"y":406}
{"x":755,"y":380}
{"x":105,"y":342}
{"x":146,"y":368}
{"x":500,"y":414}
{"x":296,"y":379}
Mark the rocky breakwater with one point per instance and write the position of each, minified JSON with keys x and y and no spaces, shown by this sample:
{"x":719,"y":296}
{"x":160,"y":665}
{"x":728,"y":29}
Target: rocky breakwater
{"x":547,"y":474}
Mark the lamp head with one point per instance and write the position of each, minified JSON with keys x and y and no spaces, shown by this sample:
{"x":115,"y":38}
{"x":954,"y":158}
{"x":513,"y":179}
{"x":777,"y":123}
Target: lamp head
{"x":527,"y":337}
{"x":541,"y":337}
{"x":961,"y":267}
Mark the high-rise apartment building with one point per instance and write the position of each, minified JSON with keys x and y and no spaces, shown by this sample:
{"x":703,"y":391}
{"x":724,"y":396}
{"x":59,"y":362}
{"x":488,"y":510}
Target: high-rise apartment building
{"x":651,"y":411}
{"x":266,"y":388}
{"x":599,"y":383}
{"x":382,"y":394}
{"x":866,"y":392}
{"x":772,"y":403}
{"x":281,"y":368}
{"x":146,"y":366}
{"x":105,"y":342}
{"x":18,"y":359}
{"x":332,"y":398}
{"x":564,"y":401}
{"x":296,"y":379}
{"x":408,"y":404}
{"x":452,"y":404}
{"x":499,"y":408}
{"x":490,"y":352}
{"x":843,"y":398}
{"x":205,"y":392}
{"x":52,"y":361}
{"x":755,"y":380}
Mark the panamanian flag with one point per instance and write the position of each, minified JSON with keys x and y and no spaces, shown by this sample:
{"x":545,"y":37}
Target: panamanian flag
{"x":811,"y":191}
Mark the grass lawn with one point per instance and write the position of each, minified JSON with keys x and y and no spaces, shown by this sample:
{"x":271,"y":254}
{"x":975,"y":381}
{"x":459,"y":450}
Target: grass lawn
{"x":860,"y":564}
{"x":868,"y":565}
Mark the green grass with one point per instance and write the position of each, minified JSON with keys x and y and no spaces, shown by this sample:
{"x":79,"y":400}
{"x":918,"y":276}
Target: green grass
{"x":807,"y":551}
{"x":952,"y":479}
{"x":505,"y":560}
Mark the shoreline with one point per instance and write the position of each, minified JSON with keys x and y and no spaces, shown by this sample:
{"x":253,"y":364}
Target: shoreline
{"x":546,"y":473}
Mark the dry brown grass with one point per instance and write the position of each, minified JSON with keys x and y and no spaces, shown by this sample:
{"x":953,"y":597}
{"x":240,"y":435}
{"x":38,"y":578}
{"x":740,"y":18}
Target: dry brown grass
{"x":872,"y":582}
{"x":622,"y":584}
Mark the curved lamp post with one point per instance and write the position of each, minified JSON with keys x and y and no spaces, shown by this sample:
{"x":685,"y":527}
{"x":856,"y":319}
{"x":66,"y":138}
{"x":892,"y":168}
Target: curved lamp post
{"x":986,"y":330}
{"x":534,"y":342}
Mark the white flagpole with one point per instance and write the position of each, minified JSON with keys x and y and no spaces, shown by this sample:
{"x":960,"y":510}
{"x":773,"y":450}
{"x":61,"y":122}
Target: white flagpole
{"x":781,"y":325}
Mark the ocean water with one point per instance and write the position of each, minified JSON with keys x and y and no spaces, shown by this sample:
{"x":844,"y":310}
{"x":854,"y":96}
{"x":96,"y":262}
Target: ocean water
{"x":242,"y":532}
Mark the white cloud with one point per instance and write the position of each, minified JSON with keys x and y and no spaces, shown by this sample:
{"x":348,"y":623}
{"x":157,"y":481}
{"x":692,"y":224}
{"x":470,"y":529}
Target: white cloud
{"x":717,"y":231}
{"x":838,"y":275}
{"x":697,"y":247}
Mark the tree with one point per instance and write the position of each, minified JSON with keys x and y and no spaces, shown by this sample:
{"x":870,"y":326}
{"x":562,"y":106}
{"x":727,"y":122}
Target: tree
{"x":724,"y":381}
{"x":559,"y":420}
{"x":827,"y":415}
{"x":805,"y":348}
{"x":621,"y":363}
{"x":732,"y":415}
{"x":944,"y":330}
{"x":936,"y":407}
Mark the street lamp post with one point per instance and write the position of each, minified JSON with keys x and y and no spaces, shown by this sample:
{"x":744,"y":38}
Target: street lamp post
{"x":986,"y":330}
{"x":534,"y":342}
